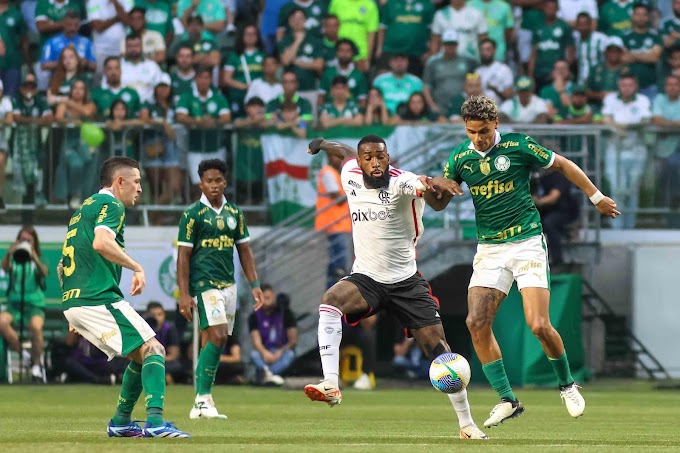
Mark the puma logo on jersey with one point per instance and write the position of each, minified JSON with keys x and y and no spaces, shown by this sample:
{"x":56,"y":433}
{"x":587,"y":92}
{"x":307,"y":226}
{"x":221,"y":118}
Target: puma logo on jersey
{"x":469,"y":167}
{"x":208,"y":221}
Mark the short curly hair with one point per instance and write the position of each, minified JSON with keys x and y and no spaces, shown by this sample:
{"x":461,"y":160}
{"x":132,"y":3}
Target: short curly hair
{"x":481,"y":108}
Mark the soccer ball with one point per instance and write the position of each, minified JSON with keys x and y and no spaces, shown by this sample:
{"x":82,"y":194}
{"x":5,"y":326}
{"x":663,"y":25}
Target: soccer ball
{"x":450,"y":373}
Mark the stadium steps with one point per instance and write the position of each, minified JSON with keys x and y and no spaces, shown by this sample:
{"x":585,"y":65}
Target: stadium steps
{"x":624,"y":353}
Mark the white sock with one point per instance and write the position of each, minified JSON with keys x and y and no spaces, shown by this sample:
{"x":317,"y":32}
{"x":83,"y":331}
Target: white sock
{"x":462,"y":407}
{"x":330,"y":335}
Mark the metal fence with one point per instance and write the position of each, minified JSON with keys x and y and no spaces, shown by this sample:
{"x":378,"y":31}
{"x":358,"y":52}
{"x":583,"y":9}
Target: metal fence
{"x":51,"y":169}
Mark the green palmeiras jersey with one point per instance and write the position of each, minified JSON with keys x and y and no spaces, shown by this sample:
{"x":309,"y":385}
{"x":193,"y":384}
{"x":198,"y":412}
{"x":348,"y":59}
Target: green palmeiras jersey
{"x":89,"y":278}
{"x":498,"y":181}
{"x":212,"y":234}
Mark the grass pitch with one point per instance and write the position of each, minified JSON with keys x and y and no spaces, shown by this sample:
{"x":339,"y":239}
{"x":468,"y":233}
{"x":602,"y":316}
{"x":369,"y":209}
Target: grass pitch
{"x":621,"y":416}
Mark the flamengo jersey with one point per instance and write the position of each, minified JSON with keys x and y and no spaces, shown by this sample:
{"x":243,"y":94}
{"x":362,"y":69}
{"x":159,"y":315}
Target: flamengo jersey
{"x":386,"y":224}
{"x":498,"y":181}
{"x":89,"y":278}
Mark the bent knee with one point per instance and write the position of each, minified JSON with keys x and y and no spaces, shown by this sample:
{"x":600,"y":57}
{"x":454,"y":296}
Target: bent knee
{"x":218,"y":338}
{"x":541,"y":328}
{"x":478,"y":323}
{"x":330,"y":298}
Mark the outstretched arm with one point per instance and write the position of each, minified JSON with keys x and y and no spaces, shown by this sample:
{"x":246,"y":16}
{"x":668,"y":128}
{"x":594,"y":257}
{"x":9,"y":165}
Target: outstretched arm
{"x":337,"y":149}
{"x":573,"y":173}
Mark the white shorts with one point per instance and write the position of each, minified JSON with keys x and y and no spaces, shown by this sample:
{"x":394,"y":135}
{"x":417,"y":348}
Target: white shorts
{"x":497,"y":265}
{"x":193,"y":159}
{"x":115,"y":329}
{"x":217,"y":307}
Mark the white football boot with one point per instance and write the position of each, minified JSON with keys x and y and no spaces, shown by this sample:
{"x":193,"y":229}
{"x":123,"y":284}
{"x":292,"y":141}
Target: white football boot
{"x":502,"y":411}
{"x":471,"y":432}
{"x":204,"y":407}
{"x":573,"y":400}
{"x":324,"y":391}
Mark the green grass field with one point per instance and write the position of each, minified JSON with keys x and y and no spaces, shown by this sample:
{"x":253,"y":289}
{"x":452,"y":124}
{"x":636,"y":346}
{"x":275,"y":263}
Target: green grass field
{"x":621,"y":416}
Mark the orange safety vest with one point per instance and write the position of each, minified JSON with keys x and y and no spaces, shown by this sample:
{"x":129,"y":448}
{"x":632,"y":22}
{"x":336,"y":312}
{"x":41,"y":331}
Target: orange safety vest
{"x":336,"y":216}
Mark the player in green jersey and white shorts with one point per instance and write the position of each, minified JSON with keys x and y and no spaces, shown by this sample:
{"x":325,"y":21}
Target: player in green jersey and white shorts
{"x":496,"y":168}
{"x":89,"y":271}
{"x":208,"y":231}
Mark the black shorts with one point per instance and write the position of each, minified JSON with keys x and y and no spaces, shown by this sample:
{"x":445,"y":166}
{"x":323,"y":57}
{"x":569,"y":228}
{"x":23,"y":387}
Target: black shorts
{"x":410,"y":301}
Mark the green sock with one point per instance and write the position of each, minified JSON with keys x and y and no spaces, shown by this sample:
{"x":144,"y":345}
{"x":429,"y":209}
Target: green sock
{"x":208,"y":361}
{"x":153,"y":380}
{"x":495,"y":373}
{"x":561,"y":367}
{"x":130,"y":390}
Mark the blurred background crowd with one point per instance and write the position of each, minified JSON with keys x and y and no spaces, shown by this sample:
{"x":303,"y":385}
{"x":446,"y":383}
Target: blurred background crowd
{"x":174,"y":82}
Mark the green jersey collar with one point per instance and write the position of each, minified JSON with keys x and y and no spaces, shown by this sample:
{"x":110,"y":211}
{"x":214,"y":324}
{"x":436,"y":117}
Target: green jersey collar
{"x":197,"y":95}
{"x":206,"y":202}
{"x":496,"y":141}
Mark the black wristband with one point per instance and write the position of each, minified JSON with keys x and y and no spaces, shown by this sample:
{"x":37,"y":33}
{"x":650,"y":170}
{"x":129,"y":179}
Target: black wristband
{"x":315,"y":145}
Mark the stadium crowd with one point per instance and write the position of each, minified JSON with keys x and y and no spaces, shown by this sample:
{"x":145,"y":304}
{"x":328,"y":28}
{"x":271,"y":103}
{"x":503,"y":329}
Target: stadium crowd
{"x":171,"y":80}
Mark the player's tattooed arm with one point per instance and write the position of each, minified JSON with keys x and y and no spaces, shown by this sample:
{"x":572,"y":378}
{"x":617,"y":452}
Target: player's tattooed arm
{"x":337,"y":149}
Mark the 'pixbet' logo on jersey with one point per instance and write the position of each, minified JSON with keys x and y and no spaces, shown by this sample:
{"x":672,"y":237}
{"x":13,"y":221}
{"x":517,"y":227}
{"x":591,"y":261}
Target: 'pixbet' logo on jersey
{"x":371,"y":215}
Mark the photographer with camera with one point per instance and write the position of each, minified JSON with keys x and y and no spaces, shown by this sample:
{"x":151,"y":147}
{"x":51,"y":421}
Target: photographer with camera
{"x":25,"y":296}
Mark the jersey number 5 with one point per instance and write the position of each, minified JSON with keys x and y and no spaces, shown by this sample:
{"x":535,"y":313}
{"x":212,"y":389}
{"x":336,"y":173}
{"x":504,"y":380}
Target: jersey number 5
{"x":68,"y":251}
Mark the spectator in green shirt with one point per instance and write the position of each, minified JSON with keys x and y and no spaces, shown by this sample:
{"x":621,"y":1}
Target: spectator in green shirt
{"x":553,"y":41}
{"x":183,"y":75}
{"x":206,"y":52}
{"x":557,"y":93}
{"x":33,"y":274}
{"x":644,"y":50}
{"x":603,"y":78}
{"x":243,"y":66}
{"x":341,"y":110}
{"x":331,"y":25}
{"x":346,"y":50}
{"x":615,"y":17}
{"x":577,"y":111}
{"x":249,"y":160}
{"x":211,"y":11}
{"x":205,"y":111}
{"x":314,"y":10}
{"x":301,"y":52}
{"x":14,"y":41}
{"x":670,"y":28}
{"x":289,"y":82}
{"x":289,"y":119}
{"x":159,"y":17}
{"x":405,"y":28}
{"x":29,"y":157}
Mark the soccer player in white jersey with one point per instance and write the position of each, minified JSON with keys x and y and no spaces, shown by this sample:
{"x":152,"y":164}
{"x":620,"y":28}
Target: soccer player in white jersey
{"x":386,"y":206}
{"x":496,"y":167}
